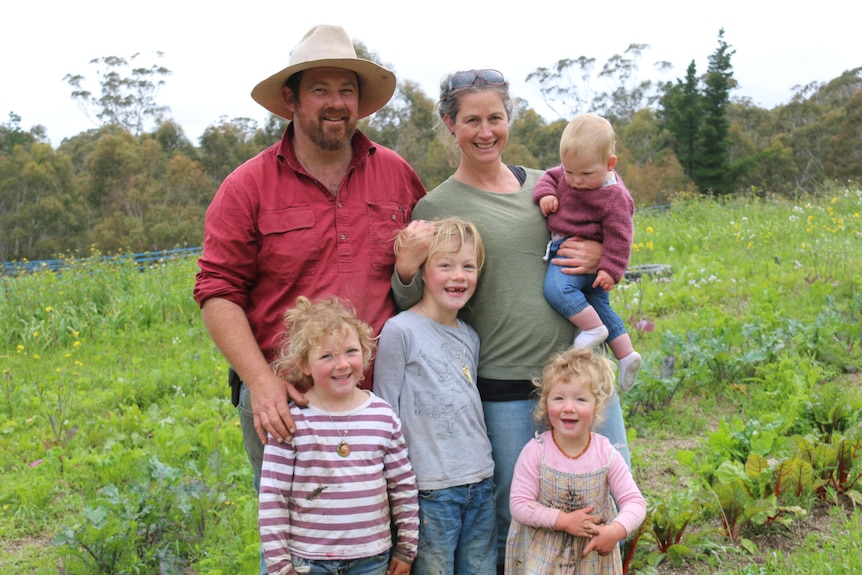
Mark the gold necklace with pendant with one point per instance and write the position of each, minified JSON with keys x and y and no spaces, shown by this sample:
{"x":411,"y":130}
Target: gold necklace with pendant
{"x":465,"y":369}
{"x":343,"y":448}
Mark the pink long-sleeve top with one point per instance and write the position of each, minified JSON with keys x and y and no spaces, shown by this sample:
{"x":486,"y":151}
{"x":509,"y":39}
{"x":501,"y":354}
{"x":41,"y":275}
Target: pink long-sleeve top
{"x":524,"y":494}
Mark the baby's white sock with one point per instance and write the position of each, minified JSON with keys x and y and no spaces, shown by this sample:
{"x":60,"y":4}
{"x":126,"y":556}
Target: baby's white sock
{"x":590,"y":338}
{"x":629,"y":366}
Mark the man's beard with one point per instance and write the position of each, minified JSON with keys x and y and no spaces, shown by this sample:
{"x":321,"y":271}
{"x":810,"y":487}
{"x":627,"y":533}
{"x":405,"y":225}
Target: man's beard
{"x":328,"y":141}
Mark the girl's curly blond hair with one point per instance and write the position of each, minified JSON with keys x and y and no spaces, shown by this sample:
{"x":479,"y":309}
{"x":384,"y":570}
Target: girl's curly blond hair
{"x":581,"y":366}
{"x":307,"y":324}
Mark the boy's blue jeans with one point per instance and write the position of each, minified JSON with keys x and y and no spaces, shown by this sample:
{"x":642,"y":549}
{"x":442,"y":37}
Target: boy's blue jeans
{"x":570,"y":294}
{"x":457,"y":530}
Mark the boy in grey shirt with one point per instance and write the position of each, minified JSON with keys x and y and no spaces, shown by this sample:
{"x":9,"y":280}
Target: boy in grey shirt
{"x":426,"y":368}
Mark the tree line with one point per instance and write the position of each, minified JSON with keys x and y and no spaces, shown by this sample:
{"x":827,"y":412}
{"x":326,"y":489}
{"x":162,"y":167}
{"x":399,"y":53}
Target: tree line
{"x":137,"y":183}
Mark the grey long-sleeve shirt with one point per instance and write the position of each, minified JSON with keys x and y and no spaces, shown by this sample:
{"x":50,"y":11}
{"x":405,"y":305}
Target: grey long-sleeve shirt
{"x":420,"y":371}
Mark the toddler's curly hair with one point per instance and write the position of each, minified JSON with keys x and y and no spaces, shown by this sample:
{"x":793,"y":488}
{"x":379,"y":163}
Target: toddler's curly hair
{"x":307,"y":324}
{"x":582,"y":366}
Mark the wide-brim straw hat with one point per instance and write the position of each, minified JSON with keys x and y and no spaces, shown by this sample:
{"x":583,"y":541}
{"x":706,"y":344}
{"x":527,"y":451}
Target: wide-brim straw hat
{"x":328,"y":46}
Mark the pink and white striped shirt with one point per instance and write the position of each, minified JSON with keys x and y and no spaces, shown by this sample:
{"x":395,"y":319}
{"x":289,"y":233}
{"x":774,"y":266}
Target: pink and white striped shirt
{"x":321,"y":506}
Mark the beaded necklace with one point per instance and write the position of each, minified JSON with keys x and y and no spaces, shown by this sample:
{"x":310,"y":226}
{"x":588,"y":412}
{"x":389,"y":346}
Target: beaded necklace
{"x":563,"y":451}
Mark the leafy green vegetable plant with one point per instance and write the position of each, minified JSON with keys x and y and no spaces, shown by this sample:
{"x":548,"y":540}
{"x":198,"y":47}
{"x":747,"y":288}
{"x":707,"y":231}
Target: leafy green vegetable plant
{"x":670,"y":525}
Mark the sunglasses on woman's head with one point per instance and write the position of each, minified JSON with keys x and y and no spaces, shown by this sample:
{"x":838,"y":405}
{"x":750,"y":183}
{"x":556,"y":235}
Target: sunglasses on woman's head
{"x":468,"y":78}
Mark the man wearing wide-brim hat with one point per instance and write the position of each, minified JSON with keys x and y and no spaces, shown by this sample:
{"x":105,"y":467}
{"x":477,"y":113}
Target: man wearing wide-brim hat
{"x":327,"y":46}
{"x":315,"y":214}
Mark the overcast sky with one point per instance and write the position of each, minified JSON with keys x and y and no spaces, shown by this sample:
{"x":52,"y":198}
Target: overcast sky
{"x":218,"y":51}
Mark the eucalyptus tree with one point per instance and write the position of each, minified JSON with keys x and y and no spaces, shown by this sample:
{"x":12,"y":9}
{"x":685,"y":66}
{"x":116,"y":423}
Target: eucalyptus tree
{"x":41,"y":212}
{"x":617,"y":92}
{"x":540,"y":138}
{"x":628,"y":92}
{"x":127,"y":93}
{"x":817,"y":125}
{"x":12,"y":134}
{"x":173,"y":140}
{"x":227,"y":144}
{"x":408,"y":124}
{"x":271,"y":132}
{"x":565,"y":86}
{"x":569,"y":88}
{"x":845,"y":160}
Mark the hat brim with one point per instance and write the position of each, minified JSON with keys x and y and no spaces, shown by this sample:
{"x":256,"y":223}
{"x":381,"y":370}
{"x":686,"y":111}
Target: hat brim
{"x":376,"y":85}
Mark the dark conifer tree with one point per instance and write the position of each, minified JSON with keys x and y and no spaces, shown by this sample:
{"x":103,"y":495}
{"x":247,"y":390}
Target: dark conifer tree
{"x":713,"y":174}
{"x":681,"y":113}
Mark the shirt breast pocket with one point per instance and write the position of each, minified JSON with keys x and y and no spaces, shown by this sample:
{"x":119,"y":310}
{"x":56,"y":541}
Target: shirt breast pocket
{"x":291,"y":246}
{"x":385,"y":220}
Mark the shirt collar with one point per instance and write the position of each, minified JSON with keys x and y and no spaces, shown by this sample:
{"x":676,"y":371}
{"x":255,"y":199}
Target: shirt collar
{"x":286,"y":153}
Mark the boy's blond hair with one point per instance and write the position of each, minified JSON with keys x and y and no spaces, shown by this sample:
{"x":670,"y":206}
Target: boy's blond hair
{"x":307,"y":324}
{"x":581,"y":366}
{"x":450,"y":235}
{"x":588,"y":135}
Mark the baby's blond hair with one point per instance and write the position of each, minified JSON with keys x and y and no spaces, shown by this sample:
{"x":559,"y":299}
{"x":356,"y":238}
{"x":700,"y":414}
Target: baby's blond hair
{"x":590,"y":136}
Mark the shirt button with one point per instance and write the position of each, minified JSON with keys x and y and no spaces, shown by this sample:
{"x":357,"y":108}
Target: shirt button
{"x":393,"y":217}
{"x":343,"y":237}
{"x":339,"y":204}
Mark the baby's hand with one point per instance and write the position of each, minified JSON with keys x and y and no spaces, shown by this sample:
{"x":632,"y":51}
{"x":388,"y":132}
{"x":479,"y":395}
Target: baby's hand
{"x":604,"y":281}
{"x":549,"y":205}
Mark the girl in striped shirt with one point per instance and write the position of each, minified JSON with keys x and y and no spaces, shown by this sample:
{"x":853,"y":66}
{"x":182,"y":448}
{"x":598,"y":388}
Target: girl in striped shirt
{"x":328,"y":496}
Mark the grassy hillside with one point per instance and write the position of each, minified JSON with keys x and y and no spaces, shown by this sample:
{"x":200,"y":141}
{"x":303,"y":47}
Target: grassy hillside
{"x":120,"y":452}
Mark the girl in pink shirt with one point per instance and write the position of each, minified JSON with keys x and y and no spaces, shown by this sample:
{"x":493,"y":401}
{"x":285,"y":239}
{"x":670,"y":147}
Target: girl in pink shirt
{"x":563,"y":517}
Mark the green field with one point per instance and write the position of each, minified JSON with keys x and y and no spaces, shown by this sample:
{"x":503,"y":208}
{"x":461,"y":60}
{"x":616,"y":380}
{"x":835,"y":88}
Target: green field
{"x":120,"y":452}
